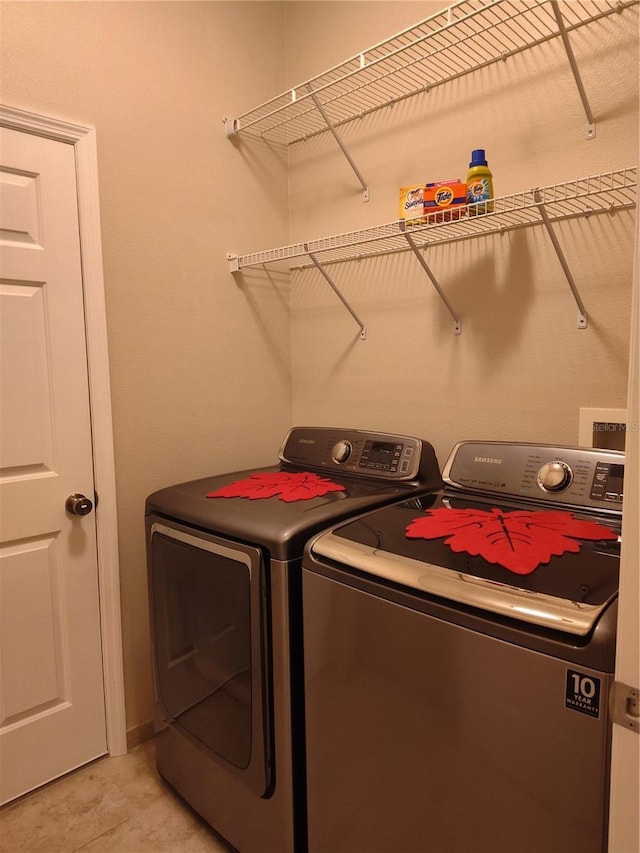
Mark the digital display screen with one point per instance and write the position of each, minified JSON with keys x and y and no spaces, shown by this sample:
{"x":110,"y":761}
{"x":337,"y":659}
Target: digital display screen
{"x":385,"y":457}
{"x":608,"y":482}
{"x":381,"y":451}
{"x":616,"y":478}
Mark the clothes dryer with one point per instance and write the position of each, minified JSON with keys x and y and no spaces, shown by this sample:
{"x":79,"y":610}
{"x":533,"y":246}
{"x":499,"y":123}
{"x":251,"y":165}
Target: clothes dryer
{"x":224,"y":565}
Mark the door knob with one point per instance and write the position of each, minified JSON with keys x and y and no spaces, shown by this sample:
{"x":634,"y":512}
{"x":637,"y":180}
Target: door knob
{"x":78,"y":505}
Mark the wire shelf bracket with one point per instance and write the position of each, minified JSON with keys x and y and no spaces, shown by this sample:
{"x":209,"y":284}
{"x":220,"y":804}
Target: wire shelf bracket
{"x":582,"y":316}
{"x":336,"y":290}
{"x":564,"y":35}
{"x":343,"y":147}
{"x":234,"y":267}
{"x":457,"y":328}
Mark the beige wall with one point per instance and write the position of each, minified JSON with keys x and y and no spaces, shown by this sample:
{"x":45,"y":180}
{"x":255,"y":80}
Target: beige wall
{"x":521,"y":369}
{"x":196,"y":360}
{"x":204,"y":370}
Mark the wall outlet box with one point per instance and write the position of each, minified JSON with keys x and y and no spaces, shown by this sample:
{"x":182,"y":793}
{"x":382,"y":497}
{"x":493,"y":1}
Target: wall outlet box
{"x":603,"y":428}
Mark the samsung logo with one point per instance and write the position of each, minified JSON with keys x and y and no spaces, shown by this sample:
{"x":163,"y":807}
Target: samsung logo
{"x":490,"y":460}
{"x":306,"y":441}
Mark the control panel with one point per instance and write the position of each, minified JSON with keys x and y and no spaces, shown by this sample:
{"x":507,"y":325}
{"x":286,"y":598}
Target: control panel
{"x":370,"y":454}
{"x":583,"y":477}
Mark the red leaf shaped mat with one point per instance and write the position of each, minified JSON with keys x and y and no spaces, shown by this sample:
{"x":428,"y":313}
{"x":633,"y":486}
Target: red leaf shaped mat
{"x":298,"y":486}
{"x":518,"y":540}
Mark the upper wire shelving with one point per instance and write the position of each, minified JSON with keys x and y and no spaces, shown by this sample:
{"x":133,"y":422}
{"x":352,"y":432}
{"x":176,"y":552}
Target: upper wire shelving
{"x":468,"y":35}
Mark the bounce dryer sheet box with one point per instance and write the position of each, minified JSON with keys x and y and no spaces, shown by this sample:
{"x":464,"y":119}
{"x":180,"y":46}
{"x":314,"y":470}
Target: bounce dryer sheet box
{"x":446,"y":197}
{"x":418,"y":201}
{"x":411,"y":207}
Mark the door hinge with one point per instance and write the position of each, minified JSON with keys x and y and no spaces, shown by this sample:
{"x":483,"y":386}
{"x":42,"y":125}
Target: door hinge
{"x":625,"y":706}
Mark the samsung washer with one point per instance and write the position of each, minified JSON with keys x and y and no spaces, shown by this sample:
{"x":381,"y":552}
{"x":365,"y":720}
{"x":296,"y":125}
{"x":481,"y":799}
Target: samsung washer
{"x":459,"y":654}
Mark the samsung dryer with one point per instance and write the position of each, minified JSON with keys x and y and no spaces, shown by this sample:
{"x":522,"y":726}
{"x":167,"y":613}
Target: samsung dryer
{"x":224,"y":566}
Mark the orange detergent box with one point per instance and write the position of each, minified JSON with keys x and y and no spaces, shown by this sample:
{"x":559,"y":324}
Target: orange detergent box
{"x":419,"y":200}
{"x":448,"y":197}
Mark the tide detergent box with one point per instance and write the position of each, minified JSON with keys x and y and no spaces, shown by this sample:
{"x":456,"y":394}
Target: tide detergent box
{"x":419,"y":200}
{"x":449,"y":197}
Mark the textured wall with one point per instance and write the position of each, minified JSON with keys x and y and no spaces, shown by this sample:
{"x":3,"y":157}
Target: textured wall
{"x":196,"y":359}
{"x":521,"y":369}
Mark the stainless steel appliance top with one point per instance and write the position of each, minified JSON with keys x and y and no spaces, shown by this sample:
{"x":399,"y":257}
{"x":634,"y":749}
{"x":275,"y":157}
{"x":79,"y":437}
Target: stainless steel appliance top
{"x":554,"y":511}
{"x":362,"y":470}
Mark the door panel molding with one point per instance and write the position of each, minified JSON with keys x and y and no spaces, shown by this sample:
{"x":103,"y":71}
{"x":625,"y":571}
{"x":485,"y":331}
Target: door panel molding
{"x":83,"y":139}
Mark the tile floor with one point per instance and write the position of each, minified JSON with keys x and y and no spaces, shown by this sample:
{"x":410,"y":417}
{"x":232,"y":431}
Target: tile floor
{"x":114,"y":805}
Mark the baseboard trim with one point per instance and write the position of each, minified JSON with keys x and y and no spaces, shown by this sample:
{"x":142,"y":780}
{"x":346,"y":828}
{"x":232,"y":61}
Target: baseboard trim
{"x":139,"y":734}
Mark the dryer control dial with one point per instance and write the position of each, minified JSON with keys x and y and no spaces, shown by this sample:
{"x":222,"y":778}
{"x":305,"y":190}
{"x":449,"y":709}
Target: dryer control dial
{"x":341,"y":451}
{"x":555,"y":476}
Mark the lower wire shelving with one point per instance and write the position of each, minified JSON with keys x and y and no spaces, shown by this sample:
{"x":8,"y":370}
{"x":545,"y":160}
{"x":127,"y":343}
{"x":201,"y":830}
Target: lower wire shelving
{"x":603,"y":193}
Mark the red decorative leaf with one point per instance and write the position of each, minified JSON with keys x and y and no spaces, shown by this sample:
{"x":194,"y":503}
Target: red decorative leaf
{"x":294,"y":486}
{"x":519,"y":540}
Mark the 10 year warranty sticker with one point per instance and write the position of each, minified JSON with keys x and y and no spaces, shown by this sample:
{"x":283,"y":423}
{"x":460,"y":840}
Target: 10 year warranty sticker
{"x":583,"y":693}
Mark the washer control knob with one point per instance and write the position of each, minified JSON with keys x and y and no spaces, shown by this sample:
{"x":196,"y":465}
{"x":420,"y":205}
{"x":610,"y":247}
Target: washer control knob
{"x":555,"y":476}
{"x":341,"y":451}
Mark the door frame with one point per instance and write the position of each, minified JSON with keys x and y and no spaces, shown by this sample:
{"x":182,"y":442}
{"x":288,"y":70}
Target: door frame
{"x":83,"y":139}
{"x":624,"y":828}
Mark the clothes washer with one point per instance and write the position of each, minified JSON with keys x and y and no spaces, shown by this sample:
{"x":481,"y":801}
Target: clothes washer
{"x":224,"y":566}
{"x":459,"y":653}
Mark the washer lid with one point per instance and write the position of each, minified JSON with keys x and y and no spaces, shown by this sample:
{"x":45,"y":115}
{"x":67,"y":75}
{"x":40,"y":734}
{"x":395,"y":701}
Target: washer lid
{"x":566,"y":592}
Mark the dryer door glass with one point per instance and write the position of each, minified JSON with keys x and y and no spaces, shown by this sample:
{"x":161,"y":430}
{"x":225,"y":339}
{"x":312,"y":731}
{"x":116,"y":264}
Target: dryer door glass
{"x":209,"y":645}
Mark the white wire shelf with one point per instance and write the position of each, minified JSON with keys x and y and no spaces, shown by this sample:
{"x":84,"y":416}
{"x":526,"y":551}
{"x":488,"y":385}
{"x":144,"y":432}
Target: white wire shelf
{"x":606,"y":192}
{"x":468,"y":35}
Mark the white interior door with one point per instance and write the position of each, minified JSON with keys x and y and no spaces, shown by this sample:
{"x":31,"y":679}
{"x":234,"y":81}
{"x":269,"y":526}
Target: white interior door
{"x":52,"y":715}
